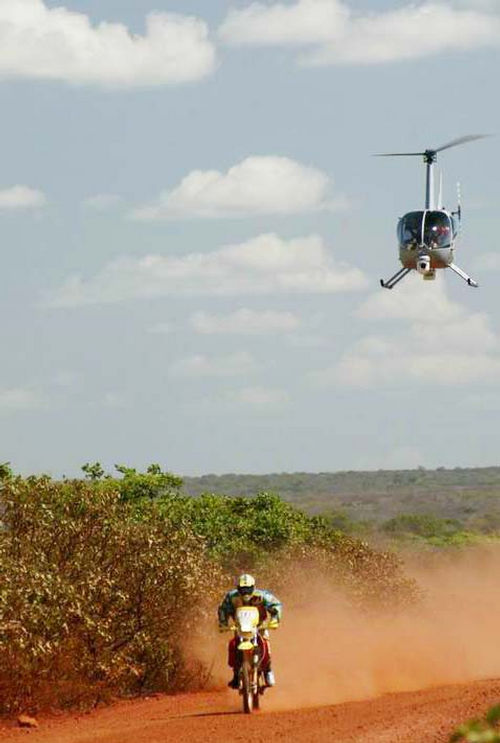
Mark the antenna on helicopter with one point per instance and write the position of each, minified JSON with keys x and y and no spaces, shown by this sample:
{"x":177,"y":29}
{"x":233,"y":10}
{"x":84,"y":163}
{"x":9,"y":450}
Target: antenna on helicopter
{"x":430,"y":157}
{"x":459,"y":201}
{"x":458,"y":212}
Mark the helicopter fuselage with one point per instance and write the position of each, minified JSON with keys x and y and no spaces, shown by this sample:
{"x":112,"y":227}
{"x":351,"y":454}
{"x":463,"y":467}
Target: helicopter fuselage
{"x":427,"y":239}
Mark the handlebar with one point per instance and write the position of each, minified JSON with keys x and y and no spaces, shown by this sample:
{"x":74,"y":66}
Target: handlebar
{"x":227,"y":628}
{"x":267,"y":624}
{"x":270,"y":624}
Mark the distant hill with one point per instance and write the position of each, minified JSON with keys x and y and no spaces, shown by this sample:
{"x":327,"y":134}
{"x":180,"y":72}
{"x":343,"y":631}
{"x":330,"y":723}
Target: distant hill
{"x":468,"y":494}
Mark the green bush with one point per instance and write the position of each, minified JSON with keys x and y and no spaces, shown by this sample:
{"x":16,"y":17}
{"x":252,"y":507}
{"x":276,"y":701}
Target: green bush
{"x":271,"y":537}
{"x":422,"y":525}
{"x":93,"y":599}
{"x":485,"y":730}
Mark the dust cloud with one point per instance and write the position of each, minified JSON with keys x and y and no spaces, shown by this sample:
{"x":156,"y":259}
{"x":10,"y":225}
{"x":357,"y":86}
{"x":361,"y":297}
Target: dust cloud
{"x":327,"y":652}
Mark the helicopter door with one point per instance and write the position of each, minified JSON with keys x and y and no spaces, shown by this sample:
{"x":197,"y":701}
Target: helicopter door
{"x":410,"y":230}
{"x":438,"y":230}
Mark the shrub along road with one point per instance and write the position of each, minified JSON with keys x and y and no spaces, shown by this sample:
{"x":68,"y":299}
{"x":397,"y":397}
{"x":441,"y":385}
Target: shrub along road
{"x":411,"y":717}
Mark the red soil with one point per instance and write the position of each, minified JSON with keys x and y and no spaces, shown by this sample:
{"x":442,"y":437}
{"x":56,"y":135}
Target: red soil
{"x":410,"y":717}
{"x":418,"y":670}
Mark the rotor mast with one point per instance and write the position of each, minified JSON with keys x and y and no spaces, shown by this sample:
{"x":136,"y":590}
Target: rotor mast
{"x":430,"y":157}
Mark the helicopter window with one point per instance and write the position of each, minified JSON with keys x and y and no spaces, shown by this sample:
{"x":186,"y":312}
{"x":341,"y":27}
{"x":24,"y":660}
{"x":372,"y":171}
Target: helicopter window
{"x":438,"y":230}
{"x":410,"y":228}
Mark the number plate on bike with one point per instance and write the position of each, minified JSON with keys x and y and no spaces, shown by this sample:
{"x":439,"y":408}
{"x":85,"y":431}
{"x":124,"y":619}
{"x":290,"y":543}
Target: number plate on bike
{"x":247,"y":618}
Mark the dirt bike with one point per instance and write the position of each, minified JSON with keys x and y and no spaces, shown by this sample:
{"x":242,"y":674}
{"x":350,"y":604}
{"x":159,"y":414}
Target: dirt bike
{"x":249,"y":646}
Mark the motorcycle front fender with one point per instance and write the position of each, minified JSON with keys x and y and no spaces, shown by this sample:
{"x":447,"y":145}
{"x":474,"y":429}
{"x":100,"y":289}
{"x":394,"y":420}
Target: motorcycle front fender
{"x":245,"y":645}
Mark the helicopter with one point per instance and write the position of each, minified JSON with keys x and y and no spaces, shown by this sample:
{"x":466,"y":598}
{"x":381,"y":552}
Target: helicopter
{"x":427,"y":238}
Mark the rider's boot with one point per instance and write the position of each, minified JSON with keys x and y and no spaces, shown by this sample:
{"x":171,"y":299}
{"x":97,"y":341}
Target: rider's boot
{"x":269,"y":677}
{"x":234,"y":683}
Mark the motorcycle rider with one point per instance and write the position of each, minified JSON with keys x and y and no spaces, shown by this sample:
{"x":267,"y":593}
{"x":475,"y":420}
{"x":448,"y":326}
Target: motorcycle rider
{"x":245,"y":594}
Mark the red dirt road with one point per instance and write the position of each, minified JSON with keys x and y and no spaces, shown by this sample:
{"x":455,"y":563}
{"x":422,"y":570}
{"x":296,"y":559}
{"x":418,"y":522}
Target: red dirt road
{"x":426,"y":716}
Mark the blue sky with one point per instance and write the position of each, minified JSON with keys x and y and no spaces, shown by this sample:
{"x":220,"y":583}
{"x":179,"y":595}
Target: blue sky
{"x":194,"y":230}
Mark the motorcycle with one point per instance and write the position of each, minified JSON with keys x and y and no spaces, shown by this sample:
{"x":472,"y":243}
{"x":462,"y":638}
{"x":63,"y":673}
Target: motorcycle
{"x":250,"y":654}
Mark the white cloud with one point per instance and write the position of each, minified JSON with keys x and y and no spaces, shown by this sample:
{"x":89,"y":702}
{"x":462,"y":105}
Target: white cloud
{"x":409,"y":33}
{"x":413,"y":301}
{"x":199,"y":365}
{"x":161,"y":328}
{"x":101,"y":202}
{"x":39,"y":42}
{"x":308,"y":341}
{"x":266,"y":264}
{"x":113,"y":399}
{"x":441,"y":343}
{"x":257,"y":185}
{"x":258,"y":397}
{"x":337,"y":35}
{"x":305,"y":22}
{"x":491,"y":6}
{"x":250,"y":401}
{"x":245,"y":322}
{"x":482,"y":401}
{"x":19,"y":398}
{"x":488,"y":262}
{"x":66,"y":380}
{"x":21,"y":197}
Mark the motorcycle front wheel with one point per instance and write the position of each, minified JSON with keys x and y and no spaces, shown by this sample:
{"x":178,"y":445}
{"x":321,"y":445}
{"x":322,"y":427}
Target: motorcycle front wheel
{"x":256,"y":699}
{"x":248,"y":697}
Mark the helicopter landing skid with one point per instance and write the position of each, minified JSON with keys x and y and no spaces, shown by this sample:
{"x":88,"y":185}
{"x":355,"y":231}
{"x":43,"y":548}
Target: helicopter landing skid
{"x":463,"y":275}
{"x":390,"y":283}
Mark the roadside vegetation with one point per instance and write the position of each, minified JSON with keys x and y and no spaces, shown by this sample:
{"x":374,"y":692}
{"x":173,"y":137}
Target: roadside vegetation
{"x":102,"y":577}
{"x":479,"y":730}
{"x":417,"y":508}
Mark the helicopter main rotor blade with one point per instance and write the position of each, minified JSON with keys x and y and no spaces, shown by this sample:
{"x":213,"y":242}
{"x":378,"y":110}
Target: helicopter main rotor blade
{"x":399,"y":154}
{"x":461,"y":140}
{"x":453,"y":143}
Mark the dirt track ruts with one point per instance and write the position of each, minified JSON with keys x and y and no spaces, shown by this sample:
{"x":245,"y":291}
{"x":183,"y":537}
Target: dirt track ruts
{"x":426,"y":716}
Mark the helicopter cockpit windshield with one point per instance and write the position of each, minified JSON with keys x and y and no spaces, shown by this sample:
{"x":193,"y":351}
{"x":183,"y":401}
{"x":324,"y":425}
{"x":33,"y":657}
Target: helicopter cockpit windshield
{"x":438,"y":230}
{"x":410,"y":229}
{"x":434,"y":229}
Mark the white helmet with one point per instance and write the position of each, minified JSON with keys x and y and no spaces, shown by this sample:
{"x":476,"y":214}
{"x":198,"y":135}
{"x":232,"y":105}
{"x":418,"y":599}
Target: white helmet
{"x":246,"y":586}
